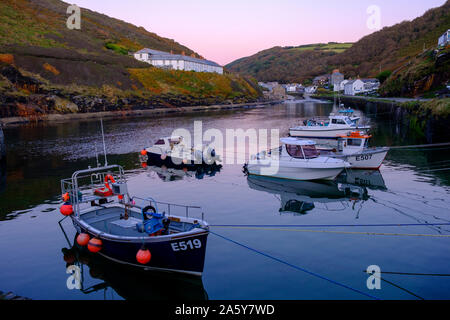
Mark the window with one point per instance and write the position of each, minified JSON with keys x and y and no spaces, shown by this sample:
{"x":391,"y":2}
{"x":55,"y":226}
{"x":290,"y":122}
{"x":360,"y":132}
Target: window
{"x":309,"y":152}
{"x":354,"y":142}
{"x":294,"y":151}
{"x":160,"y":142}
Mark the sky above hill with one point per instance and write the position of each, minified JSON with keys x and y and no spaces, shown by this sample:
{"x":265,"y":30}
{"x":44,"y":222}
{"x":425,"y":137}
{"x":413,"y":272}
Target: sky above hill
{"x":224,"y":31}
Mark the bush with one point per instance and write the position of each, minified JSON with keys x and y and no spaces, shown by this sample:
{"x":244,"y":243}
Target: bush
{"x":382,"y":76}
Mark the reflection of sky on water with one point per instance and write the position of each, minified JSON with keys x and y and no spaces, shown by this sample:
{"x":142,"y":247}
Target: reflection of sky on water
{"x":31,"y":241}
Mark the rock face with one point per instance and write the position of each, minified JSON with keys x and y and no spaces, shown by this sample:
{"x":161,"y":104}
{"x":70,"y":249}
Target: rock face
{"x":25,"y":96}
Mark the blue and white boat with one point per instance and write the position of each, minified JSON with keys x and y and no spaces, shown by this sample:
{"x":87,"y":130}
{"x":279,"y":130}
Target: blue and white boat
{"x":132,"y":230}
{"x":332,"y":128}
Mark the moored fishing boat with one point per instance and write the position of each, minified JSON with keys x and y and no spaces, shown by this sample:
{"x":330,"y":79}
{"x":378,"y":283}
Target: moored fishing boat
{"x":331,"y":128}
{"x":174,"y":153}
{"x":295,"y":159}
{"x":132,"y":230}
{"x":353,"y":148}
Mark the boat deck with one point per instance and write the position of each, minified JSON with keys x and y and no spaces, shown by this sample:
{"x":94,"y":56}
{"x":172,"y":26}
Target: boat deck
{"x":108,"y":220}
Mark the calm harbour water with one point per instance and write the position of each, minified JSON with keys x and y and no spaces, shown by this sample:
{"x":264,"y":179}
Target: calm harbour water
{"x":412,"y":187}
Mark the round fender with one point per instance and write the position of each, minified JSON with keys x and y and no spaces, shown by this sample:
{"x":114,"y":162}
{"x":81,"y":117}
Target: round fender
{"x":147,"y":209}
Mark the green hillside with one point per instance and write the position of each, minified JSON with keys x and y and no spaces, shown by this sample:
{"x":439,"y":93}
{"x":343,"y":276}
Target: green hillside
{"x":42,"y":62}
{"x":388,"y":49}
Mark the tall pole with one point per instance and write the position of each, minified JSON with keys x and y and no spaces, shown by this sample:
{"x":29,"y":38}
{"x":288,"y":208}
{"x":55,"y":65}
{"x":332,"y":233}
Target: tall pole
{"x":104,"y":146}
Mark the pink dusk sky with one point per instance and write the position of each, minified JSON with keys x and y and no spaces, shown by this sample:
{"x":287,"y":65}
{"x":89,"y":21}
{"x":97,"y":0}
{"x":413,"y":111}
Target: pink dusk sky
{"x":224,"y":31}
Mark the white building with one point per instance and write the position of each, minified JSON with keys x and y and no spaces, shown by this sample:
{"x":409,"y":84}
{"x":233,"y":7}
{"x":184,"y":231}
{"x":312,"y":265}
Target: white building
{"x":371,"y":84}
{"x":342,"y":85}
{"x":444,"y":39}
{"x":163,"y":59}
{"x":354,"y":87}
{"x":311,"y":89}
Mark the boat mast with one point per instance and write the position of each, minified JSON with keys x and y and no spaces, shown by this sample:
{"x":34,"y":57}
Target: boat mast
{"x":104,"y":146}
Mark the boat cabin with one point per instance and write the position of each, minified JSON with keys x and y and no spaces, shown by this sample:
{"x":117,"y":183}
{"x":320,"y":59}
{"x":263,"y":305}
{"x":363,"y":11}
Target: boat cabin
{"x":169,"y":141}
{"x":353,"y":142}
{"x":300,"y":149}
{"x":334,"y":120}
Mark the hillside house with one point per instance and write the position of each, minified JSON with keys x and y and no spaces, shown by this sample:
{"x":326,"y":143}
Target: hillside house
{"x":321,"y":80}
{"x":342,"y":85}
{"x":163,"y":59}
{"x":353,"y":87}
{"x":444,"y":40}
{"x":371,"y":84}
{"x":335,"y":79}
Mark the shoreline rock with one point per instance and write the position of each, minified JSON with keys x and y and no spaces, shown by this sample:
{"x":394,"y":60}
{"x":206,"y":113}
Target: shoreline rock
{"x":132,"y":113}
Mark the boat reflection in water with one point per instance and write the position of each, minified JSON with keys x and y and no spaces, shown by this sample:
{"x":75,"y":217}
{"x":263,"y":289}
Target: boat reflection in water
{"x":2,"y":176}
{"x":172,"y":174}
{"x":132,"y":283}
{"x":300,"y":197}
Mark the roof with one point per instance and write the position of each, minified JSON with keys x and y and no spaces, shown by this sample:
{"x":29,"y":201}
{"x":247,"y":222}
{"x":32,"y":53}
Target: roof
{"x":297,"y":142}
{"x":352,"y":81}
{"x":370,"y":80}
{"x":161,"y":55}
{"x":356,"y":135}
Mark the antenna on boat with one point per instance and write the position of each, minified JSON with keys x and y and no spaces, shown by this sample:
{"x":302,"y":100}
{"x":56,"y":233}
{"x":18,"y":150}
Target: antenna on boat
{"x":96,"y":154}
{"x":104,"y":146}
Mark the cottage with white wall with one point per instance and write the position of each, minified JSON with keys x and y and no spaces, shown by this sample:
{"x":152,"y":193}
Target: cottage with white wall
{"x":444,"y":39}
{"x":354,"y":87}
{"x":163,"y":59}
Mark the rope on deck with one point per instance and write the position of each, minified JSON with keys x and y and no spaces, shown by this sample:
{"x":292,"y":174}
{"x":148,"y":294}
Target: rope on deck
{"x":296,"y":267}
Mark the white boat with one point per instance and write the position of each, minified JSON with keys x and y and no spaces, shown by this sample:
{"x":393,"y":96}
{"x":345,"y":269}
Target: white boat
{"x":295,"y":159}
{"x":331,"y":128}
{"x":353,"y":148}
{"x":173,"y":152}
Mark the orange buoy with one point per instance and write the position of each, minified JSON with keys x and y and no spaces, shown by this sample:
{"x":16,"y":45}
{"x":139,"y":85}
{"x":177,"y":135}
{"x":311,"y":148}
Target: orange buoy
{"x":66,"y":209}
{"x":144,"y":165}
{"x":120,"y":196}
{"x":95,"y":245}
{"x":66,"y":197}
{"x":143,"y":256}
{"x":83,"y":239}
{"x":144,"y":152}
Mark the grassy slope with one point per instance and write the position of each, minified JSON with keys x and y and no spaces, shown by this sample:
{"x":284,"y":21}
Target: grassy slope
{"x":391,"y":48}
{"x":94,"y":61}
{"x":288,"y":64}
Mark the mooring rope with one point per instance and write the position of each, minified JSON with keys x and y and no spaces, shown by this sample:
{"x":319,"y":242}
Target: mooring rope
{"x":295,"y":267}
{"x":331,"y":225}
{"x":422,"y":146}
{"x":344,"y":232}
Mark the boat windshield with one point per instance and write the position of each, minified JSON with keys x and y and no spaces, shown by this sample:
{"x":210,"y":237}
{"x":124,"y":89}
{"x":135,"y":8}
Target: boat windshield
{"x":354,"y":142}
{"x":308,"y":152}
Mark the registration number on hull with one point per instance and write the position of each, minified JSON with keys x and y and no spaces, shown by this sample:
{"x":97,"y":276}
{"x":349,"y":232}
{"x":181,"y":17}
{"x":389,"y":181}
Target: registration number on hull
{"x":364,"y":157}
{"x":186,"y":245}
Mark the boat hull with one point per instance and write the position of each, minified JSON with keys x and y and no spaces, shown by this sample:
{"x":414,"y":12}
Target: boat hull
{"x":370,"y":160}
{"x":170,"y":162}
{"x":296,"y":173}
{"x":179,"y":254}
